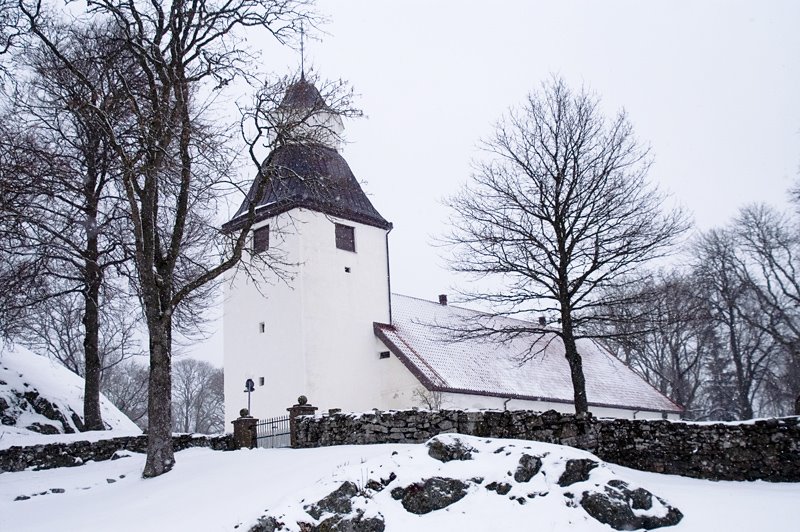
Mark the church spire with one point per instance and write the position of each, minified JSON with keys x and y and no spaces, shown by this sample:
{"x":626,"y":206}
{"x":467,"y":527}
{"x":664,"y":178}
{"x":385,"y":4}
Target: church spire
{"x":302,"y":53}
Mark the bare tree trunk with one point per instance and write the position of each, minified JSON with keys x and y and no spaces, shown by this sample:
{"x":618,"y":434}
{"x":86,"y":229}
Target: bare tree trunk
{"x":575,"y":364}
{"x":92,"y":417}
{"x":93,"y":279}
{"x":160,"y":456}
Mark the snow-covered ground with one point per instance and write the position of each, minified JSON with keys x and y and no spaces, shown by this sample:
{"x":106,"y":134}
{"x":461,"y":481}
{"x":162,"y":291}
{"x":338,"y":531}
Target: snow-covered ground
{"x":211,"y":490}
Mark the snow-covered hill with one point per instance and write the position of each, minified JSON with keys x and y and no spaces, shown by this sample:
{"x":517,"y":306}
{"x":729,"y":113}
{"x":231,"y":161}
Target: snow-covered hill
{"x":40,"y":397}
{"x":457,"y":482}
{"x":215,"y":491}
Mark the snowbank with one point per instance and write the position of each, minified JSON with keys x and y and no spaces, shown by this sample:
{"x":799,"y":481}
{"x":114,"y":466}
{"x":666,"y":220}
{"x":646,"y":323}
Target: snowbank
{"x":42,"y":402}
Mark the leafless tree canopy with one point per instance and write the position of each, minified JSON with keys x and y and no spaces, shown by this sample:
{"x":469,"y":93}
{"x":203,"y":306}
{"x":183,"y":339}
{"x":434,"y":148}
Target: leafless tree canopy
{"x":197,"y":397}
{"x":720,"y":337}
{"x":558,"y":210}
{"x":72,"y":224}
{"x":428,"y":399}
{"x":125,"y":385}
{"x":664,"y":333}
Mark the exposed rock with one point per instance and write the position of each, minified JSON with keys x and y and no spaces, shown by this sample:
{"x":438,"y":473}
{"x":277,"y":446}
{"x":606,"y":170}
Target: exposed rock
{"x":433,"y":494}
{"x":374,"y":485}
{"x":614,"y":506}
{"x":266,"y":524}
{"x":337,"y":502}
{"x":43,"y":428}
{"x":576,"y":471}
{"x":49,"y":410}
{"x":640,"y":498}
{"x":337,"y":523}
{"x":447,"y":451}
{"x":76,"y":419}
{"x":120,"y":454}
{"x":527,"y":468}
{"x":500,"y":487}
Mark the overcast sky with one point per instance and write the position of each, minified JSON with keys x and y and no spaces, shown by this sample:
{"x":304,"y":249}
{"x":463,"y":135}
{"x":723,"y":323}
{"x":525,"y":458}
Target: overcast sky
{"x":712,"y":87}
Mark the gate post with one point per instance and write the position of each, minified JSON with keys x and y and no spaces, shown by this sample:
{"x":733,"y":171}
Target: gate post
{"x":302,"y":408}
{"x":244,"y":430}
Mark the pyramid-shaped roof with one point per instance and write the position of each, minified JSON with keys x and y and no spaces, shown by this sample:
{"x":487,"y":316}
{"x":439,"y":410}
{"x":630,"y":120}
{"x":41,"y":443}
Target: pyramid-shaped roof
{"x":308,"y":175}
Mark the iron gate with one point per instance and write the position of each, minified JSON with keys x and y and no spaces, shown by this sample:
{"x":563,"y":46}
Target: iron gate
{"x":273,"y":432}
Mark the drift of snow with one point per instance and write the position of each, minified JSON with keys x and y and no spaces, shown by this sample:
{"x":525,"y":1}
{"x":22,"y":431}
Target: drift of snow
{"x":23,"y":372}
{"x":214,"y":491}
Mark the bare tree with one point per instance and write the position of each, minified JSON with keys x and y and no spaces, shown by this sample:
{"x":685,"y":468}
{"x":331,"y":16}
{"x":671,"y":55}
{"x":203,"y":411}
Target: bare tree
{"x":125,"y":385}
{"x":734,"y":308}
{"x":73,"y":222}
{"x":768,"y":253}
{"x":55,"y":327}
{"x":429,"y":399}
{"x":667,"y":337}
{"x":11,"y":31}
{"x":558,"y":210}
{"x":19,"y":276}
{"x":198,"y":403}
{"x":171,"y":166}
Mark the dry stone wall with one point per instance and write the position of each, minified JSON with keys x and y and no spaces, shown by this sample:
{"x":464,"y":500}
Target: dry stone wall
{"x":764,"y":449}
{"x":77,"y":453}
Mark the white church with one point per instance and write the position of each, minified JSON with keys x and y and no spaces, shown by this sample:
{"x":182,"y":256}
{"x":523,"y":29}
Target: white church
{"x":337,"y":334}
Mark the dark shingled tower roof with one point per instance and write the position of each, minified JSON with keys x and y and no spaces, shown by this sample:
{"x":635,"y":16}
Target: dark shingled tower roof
{"x":309,"y":175}
{"x":315,"y":177}
{"x":304,"y":95}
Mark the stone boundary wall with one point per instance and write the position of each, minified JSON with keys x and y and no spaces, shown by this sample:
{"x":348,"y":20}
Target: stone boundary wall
{"x":764,"y":449}
{"x":51,"y":455}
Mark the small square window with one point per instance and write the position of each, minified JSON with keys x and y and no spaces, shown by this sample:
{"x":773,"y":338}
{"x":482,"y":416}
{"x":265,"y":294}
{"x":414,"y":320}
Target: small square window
{"x":261,"y":381}
{"x":261,"y":239}
{"x":384,"y":354}
{"x":345,"y":237}
{"x":261,"y":327}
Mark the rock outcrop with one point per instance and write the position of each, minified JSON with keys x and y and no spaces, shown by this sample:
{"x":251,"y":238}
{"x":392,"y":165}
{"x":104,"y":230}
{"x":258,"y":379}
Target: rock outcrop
{"x":453,"y":473}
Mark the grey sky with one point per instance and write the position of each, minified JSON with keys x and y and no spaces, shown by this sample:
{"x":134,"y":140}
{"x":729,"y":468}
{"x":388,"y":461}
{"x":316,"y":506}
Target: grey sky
{"x":713,"y":87}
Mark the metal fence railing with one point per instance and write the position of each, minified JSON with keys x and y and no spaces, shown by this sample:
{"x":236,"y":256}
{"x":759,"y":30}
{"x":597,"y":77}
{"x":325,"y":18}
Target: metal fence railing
{"x":273,"y":433}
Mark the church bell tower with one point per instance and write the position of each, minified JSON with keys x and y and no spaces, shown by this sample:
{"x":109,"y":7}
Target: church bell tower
{"x":309,"y":331}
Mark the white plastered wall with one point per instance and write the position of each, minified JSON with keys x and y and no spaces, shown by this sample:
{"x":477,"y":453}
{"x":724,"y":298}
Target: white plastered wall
{"x":318,"y":338}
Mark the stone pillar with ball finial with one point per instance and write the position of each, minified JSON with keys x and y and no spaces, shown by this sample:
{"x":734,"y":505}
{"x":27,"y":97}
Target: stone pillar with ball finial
{"x":302,"y":408}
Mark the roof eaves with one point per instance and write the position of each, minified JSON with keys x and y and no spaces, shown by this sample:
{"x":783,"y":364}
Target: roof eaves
{"x":279,"y":207}
{"x":505,"y":395}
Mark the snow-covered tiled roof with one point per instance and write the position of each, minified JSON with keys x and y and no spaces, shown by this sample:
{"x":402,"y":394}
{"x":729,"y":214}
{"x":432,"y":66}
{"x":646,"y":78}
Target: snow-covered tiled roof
{"x":419,"y":337}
